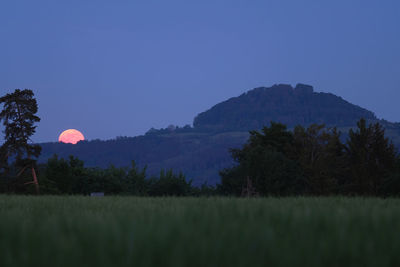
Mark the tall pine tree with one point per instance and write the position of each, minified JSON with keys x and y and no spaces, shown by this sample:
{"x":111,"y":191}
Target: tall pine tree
{"x":19,"y":118}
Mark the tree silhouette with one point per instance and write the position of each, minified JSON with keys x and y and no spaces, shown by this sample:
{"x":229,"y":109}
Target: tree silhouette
{"x":3,"y":163}
{"x":18,"y":116}
{"x":321,"y":155}
{"x":264,"y":165}
{"x":372,"y":157}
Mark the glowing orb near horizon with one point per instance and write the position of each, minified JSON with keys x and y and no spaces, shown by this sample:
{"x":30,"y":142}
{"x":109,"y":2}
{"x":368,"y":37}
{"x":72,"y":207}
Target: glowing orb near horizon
{"x":71,"y":136}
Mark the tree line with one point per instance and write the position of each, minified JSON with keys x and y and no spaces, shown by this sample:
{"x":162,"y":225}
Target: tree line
{"x":70,"y":176}
{"x":274,"y":162}
{"x":314,"y":161}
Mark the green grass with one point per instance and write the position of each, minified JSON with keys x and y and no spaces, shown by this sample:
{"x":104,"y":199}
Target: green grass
{"x":129,"y":231}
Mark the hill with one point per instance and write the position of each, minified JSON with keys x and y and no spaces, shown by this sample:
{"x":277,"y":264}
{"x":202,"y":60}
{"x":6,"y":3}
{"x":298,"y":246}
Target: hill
{"x":198,"y":155}
{"x":283,"y":103}
{"x":202,"y":150}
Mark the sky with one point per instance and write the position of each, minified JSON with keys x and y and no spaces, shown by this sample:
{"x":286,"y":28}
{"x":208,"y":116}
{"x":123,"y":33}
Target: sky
{"x":118,"y":68}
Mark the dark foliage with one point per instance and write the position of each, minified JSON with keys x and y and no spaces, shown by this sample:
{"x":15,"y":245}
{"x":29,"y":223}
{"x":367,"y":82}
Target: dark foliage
{"x":372,"y":158}
{"x":71,"y":177}
{"x":3,"y":160}
{"x":314,"y":161}
{"x":264,"y":162}
{"x":391,"y":184}
{"x":322,"y":158}
{"x":18,"y":116}
{"x":169,"y":184}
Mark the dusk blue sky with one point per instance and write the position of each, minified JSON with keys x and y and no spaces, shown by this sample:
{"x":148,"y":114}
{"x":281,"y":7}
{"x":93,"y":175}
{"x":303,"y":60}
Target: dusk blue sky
{"x":118,"y":68}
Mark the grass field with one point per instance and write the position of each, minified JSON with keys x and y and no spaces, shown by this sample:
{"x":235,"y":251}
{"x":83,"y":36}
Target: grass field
{"x":129,"y":231}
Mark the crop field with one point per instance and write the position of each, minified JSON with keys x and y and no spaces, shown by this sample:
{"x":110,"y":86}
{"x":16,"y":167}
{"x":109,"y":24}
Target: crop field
{"x":134,"y":231}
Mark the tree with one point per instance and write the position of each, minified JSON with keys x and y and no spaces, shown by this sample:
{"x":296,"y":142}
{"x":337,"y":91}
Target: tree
{"x":372,"y":158}
{"x":264,"y":165}
{"x":66,"y":174}
{"x":170,"y":184}
{"x":18,"y":116}
{"x":391,"y":184}
{"x":136,"y":183}
{"x":3,"y":169}
{"x":321,"y":155}
{"x":3,"y":161}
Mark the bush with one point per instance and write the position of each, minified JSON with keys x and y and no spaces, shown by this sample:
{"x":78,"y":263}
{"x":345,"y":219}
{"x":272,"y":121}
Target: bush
{"x":169,"y":184}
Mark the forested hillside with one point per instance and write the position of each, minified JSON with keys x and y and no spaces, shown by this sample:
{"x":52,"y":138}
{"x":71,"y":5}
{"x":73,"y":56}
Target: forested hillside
{"x":198,"y":155}
{"x":202,"y":151}
{"x":281,"y":103}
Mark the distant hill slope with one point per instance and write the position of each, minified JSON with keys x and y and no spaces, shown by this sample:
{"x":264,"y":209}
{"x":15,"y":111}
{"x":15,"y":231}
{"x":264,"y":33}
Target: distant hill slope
{"x":198,"y":155}
{"x":202,"y":151}
{"x":283,"y":103}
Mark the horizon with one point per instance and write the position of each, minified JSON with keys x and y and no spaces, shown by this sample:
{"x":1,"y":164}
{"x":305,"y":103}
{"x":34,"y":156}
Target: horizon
{"x":191,"y":124}
{"x":112,"y":70}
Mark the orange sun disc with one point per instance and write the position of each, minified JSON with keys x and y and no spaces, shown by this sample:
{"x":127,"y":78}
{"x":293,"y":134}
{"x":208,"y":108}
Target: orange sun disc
{"x":71,"y":136}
